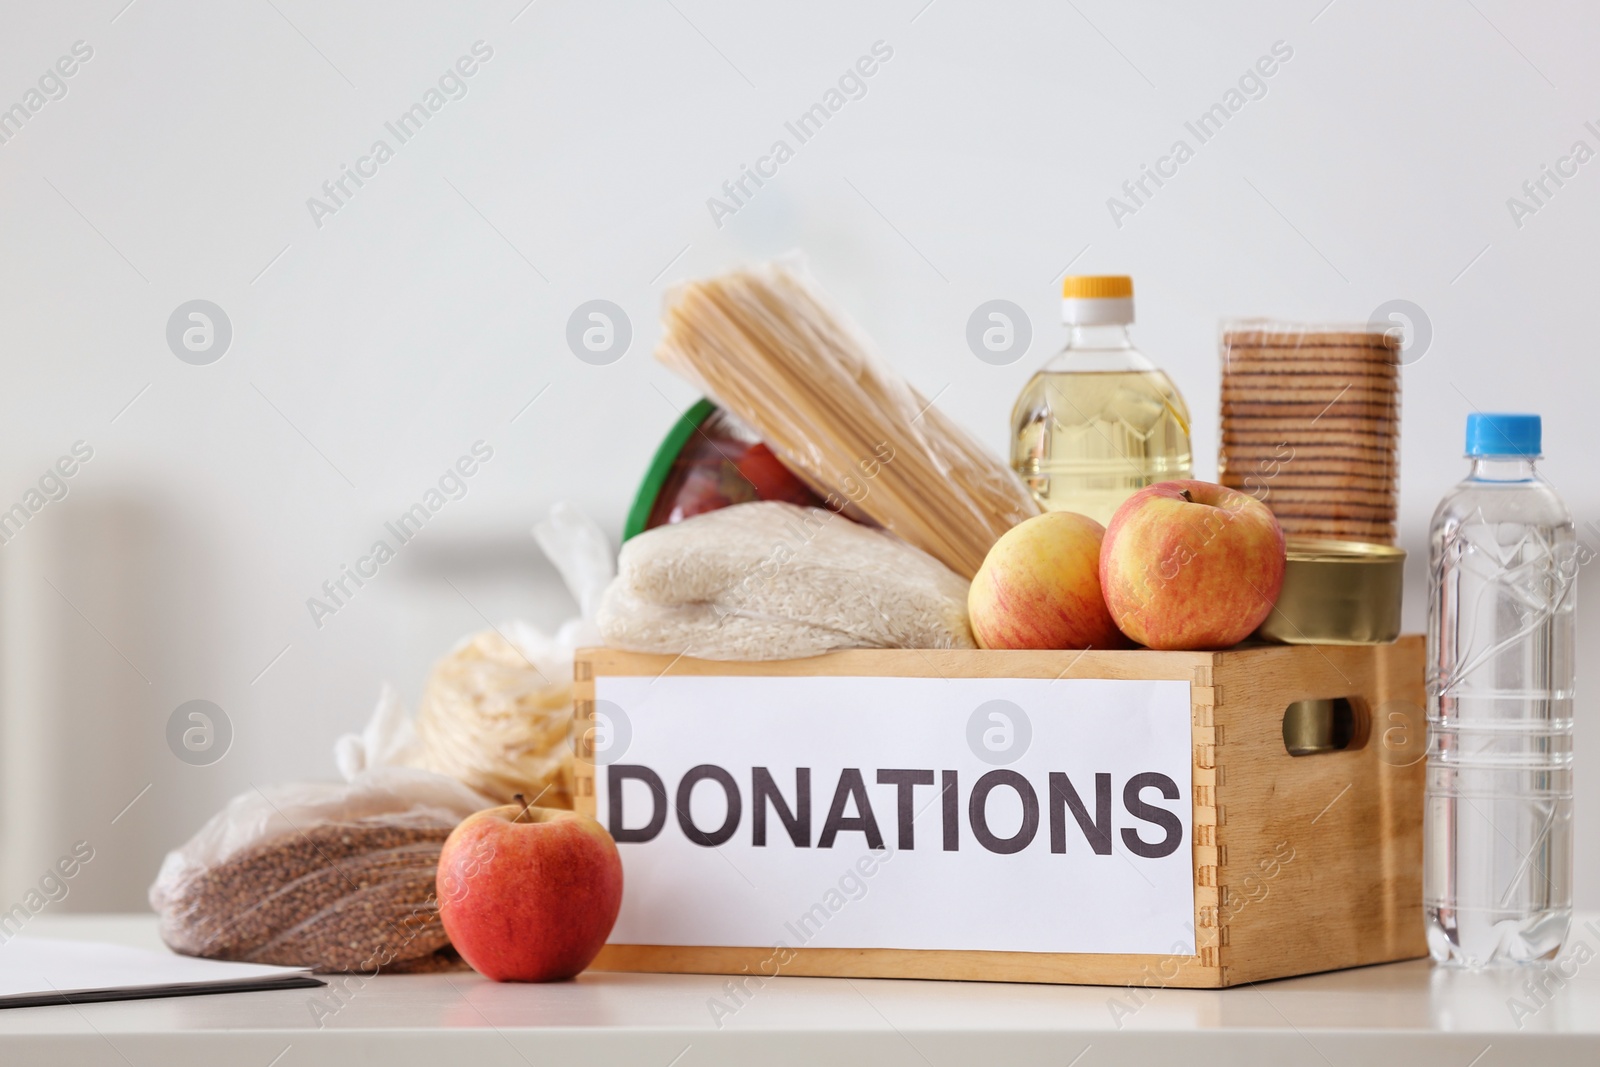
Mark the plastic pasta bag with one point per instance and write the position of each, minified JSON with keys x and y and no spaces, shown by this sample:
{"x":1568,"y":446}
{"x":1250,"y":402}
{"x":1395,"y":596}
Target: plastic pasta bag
{"x":496,"y":714}
{"x":497,"y":711}
{"x":768,"y":346}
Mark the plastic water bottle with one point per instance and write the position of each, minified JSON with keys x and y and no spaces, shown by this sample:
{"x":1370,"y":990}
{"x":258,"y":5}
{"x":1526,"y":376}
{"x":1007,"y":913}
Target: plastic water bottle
{"x":1497,"y":831}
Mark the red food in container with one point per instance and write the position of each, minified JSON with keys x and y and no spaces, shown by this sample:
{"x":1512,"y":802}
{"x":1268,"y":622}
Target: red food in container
{"x":710,"y":460}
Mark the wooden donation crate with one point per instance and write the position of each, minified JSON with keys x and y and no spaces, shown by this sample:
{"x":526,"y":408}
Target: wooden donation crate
{"x":1096,"y":817}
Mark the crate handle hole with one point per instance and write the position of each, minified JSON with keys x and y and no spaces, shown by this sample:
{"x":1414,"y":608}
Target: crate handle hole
{"x":1331,"y":724}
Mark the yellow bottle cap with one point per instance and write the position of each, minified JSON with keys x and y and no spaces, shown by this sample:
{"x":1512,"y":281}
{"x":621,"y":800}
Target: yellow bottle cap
{"x":1096,"y":286}
{"x":1097,"y":300}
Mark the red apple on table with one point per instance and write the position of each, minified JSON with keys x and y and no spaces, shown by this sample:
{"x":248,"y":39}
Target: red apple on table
{"x":1191,"y":565}
{"x":529,"y":894}
{"x":1039,"y":587}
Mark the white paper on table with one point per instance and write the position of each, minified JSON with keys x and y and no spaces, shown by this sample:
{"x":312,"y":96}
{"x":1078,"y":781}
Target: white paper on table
{"x":37,"y":970}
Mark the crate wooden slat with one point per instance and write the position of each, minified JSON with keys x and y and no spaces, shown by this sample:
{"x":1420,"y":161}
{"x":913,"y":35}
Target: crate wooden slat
{"x":1301,"y":864}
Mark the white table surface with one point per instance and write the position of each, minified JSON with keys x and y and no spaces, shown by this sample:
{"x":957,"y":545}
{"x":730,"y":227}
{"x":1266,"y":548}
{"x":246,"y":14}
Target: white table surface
{"x":1404,"y":1013}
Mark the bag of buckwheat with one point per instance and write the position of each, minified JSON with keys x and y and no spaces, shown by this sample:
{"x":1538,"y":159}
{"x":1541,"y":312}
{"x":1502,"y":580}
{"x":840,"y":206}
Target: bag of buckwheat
{"x":331,"y":876}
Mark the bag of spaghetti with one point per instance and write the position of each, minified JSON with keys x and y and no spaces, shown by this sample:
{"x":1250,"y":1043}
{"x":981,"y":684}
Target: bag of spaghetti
{"x":765,"y":343}
{"x":496,"y":713}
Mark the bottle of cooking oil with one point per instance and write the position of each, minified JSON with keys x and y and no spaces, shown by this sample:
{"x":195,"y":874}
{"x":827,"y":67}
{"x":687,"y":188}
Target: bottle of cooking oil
{"x":1099,"y":422}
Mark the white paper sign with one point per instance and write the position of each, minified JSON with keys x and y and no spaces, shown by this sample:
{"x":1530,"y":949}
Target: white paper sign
{"x":1021,"y":815}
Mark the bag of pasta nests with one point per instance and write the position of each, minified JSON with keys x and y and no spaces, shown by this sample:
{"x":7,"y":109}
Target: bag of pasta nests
{"x":496,"y":714}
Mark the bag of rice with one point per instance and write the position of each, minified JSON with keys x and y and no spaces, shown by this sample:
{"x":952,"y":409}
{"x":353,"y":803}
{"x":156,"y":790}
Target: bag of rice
{"x":774,"y":581}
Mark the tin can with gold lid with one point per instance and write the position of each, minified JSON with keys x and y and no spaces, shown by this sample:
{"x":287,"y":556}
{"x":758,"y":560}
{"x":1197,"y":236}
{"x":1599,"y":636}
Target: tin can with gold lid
{"x":1338,"y":593}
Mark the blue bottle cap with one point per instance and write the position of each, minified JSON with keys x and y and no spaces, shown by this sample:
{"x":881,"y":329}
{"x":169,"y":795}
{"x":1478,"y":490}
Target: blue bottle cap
{"x":1503,"y":435}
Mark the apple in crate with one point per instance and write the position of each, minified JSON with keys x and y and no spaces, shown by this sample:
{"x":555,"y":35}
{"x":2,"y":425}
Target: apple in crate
{"x":529,"y":894}
{"x":1191,"y":565}
{"x":1039,"y":587}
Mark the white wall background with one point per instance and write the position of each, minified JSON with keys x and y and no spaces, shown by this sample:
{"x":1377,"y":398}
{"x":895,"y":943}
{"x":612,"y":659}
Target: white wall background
{"x":370,"y":352}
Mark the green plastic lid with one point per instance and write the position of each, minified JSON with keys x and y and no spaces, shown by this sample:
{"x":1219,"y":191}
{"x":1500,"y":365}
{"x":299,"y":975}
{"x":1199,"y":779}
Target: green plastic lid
{"x":655,"y":476}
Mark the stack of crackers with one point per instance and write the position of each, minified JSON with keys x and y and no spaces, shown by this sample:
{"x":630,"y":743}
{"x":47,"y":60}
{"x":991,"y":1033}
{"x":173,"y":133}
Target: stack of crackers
{"x":1311,"y":426}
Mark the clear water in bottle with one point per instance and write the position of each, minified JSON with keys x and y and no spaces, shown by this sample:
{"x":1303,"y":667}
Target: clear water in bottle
{"x":1497,"y":830}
